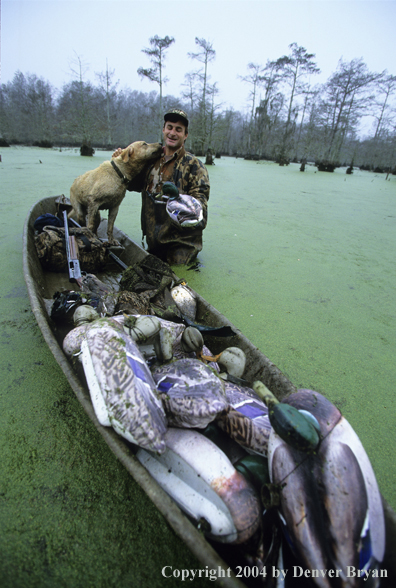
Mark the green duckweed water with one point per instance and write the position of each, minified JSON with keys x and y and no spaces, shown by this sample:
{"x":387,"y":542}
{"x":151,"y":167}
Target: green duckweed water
{"x":302,"y":263}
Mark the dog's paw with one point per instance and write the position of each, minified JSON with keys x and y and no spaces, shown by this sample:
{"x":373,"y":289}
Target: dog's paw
{"x":113,"y":243}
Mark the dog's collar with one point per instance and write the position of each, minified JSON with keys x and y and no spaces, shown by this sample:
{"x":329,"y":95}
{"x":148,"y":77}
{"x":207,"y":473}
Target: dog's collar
{"x":124,"y":179}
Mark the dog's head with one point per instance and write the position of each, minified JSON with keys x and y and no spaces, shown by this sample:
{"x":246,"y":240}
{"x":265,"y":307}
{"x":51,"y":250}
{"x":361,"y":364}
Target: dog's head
{"x":140,"y":151}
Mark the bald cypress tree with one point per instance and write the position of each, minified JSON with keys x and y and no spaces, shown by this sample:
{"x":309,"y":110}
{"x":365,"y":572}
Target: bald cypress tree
{"x":294,"y":68}
{"x":205,"y":55}
{"x":156,"y":53}
{"x":346,"y":99}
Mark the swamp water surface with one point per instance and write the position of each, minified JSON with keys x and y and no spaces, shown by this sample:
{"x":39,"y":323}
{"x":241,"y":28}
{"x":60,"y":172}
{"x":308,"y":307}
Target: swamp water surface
{"x":302,"y":263}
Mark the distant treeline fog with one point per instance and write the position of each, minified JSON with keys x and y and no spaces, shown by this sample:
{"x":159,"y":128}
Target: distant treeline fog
{"x":295,"y":121}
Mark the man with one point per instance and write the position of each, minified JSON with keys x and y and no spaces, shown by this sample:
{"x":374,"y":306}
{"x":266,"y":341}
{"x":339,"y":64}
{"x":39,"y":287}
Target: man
{"x":166,"y":238}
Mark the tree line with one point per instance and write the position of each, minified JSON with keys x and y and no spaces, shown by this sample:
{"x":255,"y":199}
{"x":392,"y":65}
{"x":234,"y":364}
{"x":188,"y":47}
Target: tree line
{"x":289,"y":117}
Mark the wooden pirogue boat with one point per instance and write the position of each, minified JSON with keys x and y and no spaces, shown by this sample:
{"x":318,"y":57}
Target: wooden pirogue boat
{"x":42,"y":285}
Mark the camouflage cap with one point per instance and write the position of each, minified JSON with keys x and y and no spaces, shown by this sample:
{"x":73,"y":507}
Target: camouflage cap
{"x":175,"y":114}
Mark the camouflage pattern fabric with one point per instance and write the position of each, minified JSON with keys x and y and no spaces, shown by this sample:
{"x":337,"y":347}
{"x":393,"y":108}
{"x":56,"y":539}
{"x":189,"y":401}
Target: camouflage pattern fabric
{"x":133,"y":303}
{"x":51,"y":249}
{"x":148,"y":274}
{"x":170,"y":243}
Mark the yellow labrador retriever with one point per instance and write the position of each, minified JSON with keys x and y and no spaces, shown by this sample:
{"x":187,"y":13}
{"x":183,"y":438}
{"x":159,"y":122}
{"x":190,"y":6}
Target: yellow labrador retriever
{"x":104,"y":188}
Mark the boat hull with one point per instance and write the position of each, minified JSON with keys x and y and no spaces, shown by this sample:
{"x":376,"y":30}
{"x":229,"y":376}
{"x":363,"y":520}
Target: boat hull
{"x":41,"y":286}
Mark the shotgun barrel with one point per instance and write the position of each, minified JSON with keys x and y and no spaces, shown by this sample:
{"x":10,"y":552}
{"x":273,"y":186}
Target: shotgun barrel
{"x":72,"y":253}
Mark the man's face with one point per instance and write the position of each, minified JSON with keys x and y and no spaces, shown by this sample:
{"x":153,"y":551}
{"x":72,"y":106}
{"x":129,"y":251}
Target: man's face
{"x":175,"y":134}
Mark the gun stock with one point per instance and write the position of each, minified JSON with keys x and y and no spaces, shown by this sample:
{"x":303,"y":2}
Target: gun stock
{"x":72,"y":254}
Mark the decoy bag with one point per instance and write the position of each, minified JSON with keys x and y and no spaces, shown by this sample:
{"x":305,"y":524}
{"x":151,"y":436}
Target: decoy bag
{"x":51,"y":249}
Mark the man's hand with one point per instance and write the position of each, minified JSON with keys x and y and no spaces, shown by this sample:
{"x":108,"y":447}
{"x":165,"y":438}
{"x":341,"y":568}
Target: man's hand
{"x":117,"y":152}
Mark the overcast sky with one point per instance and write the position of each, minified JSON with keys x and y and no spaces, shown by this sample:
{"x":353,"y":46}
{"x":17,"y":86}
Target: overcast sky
{"x":44,"y":37}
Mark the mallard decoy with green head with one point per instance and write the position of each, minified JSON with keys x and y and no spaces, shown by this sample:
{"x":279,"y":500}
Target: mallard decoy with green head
{"x":169,"y":190}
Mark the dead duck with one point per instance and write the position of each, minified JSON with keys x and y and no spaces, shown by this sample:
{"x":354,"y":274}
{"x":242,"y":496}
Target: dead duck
{"x":184,"y":210}
{"x":168,"y":191}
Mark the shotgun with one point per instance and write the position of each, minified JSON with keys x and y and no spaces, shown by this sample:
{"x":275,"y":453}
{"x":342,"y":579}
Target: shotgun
{"x":72,"y":254}
{"x":111,"y":254}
